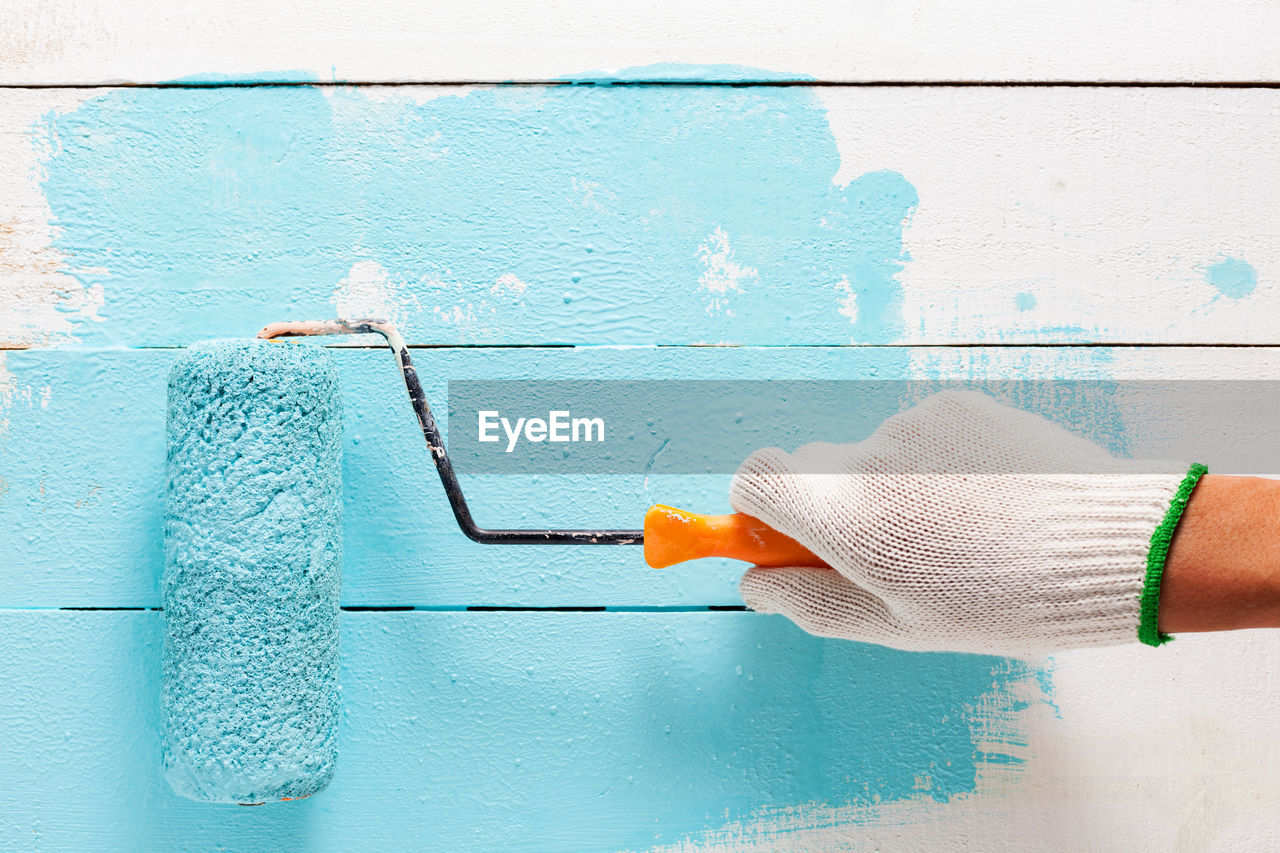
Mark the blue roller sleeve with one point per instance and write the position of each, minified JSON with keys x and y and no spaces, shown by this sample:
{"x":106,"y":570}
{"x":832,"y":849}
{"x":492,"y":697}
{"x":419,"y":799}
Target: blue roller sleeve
{"x":253,"y":553}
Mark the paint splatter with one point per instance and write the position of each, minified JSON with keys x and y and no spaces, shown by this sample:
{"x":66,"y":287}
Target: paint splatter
{"x":509,"y":283}
{"x":367,"y":291}
{"x":848,"y":304}
{"x":1024,"y":301}
{"x":1232,"y":277}
{"x":721,"y":271}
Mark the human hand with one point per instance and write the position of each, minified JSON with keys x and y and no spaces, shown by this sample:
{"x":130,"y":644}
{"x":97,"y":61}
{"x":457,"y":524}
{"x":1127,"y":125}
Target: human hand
{"x":965,"y":525}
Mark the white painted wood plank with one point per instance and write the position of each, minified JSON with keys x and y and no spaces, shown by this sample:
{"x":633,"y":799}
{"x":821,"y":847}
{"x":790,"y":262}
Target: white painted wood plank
{"x":1057,"y":215}
{"x":69,"y":41}
{"x":1130,"y":215}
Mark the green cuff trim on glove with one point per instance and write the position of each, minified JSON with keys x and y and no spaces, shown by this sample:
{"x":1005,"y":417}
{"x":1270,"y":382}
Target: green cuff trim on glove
{"x":1160,"y":540}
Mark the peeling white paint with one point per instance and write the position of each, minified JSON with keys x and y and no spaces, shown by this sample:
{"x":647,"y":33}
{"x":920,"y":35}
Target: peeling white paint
{"x":458,"y":315}
{"x":6,"y":390}
{"x":849,"y":302}
{"x":590,"y":193}
{"x":41,"y":300}
{"x":368,"y":291}
{"x":722,"y":273}
{"x":11,"y":393}
{"x":509,"y":284}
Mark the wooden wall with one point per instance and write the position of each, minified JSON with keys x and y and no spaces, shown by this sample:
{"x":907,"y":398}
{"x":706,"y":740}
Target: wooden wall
{"x":830,"y":190}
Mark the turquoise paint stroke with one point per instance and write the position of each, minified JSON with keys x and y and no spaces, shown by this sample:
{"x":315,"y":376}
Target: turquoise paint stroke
{"x":678,"y":214}
{"x":495,"y":731}
{"x":1233,"y":277}
{"x":80,"y":518}
{"x":1024,"y":301}
{"x":211,"y":211}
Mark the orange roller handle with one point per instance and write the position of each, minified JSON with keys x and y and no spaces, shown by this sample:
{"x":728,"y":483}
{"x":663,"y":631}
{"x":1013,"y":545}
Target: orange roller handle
{"x":673,"y":536}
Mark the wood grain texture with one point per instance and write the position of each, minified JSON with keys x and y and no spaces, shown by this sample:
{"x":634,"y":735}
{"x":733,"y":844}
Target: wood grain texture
{"x":640,"y":215}
{"x":401,"y":41}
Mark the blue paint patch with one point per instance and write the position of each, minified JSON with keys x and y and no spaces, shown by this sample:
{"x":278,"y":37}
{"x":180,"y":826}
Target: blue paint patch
{"x":500,"y":731}
{"x":1233,"y":278}
{"x":668,"y":214}
{"x":1024,"y":301}
{"x":583,"y":214}
{"x":1044,"y":678}
{"x":914,"y":695}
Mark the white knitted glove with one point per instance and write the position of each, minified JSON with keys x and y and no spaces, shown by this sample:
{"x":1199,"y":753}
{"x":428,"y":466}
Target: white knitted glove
{"x":965,"y":525}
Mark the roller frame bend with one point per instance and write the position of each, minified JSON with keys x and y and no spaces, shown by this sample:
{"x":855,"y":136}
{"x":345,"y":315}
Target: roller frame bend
{"x":448,"y":479}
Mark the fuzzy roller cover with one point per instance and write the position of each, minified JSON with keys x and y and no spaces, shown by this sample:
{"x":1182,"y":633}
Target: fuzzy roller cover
{"x":253,"y":555}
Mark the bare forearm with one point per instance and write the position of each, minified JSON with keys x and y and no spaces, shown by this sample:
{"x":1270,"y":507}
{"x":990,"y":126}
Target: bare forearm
{"x":1223,"y":567}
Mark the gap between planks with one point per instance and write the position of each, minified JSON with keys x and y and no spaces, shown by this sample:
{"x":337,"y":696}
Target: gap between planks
{"x":472,"y":608}
{"x":732,"y":84}
{"x":913,"y":346}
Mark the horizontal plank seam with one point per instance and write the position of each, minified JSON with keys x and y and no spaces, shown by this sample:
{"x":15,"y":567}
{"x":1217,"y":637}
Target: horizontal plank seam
{"x":458,"y":608}
{"x":902,"y":346}
{"x":915,"y":84}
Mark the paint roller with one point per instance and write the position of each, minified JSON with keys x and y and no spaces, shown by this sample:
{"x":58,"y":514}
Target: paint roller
{"x":252,"y":530}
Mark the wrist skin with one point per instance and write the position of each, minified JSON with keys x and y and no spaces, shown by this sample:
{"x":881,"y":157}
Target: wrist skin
{"x":1223,"y":568}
